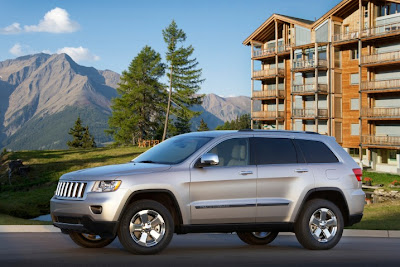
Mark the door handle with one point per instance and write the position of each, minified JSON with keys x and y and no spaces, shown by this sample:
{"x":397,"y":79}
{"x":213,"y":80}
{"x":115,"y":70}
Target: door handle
{"x":301,"y":170}
{"x":245,"y":172}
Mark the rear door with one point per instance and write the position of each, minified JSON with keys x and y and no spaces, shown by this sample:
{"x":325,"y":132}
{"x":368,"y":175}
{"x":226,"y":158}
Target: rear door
{"x":283,"y":178}
{"x":225,"y":193}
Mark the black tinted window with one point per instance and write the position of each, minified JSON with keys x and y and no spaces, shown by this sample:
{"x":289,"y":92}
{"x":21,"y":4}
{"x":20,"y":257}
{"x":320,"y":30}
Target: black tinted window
{"x":274,"y":151}
{"x":316,"y":152}
{"x":232,"y":152}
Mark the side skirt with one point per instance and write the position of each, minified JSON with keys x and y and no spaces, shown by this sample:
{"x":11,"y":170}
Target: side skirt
{"x":229,"y":228}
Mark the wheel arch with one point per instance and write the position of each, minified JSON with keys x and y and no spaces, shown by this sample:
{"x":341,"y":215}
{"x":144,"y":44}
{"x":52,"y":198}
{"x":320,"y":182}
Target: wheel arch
{"x":333,"y":194}
{"x":164,"y":197}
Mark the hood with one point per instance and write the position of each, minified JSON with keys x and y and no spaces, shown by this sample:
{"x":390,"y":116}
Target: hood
{"x":112,"y":172}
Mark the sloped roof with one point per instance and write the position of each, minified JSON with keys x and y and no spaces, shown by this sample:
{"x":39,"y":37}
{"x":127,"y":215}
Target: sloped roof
{"x":270,"y":23}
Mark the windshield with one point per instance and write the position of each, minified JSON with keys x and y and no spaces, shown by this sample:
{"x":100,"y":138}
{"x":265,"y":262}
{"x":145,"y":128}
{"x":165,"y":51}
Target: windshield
{"x":174,"y":150}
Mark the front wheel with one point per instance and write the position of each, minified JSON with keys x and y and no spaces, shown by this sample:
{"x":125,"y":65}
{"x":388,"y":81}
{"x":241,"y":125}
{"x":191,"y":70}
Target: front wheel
{"x":146,"y":227}
{"x":90,"y":241}
{"x":320,"y":225}
{"x":257,"y":238}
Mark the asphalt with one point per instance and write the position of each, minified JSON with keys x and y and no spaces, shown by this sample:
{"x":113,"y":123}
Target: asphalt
{"x":52,"y":229}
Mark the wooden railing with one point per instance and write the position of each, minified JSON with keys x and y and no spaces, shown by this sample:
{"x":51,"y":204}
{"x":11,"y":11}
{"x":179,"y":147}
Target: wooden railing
{"x":381,"y":140}
{"x":381,"y":57}
{"x":270,"y":51}
{"x":309,"y":112}
{"x":379,"y":85}
{"x":258,"y":74}
{"x":380,"y":112}
{"x":308,"y":88}
{"x":268,"y":93}
{"x":342,"y":37}
{"x":148,"y":143}
{"x":268,"y":114}
{"x":382,"y":30}
{"x":309,"y":63}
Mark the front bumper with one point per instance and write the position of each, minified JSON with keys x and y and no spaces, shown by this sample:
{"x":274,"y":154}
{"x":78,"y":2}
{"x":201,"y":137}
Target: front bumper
{"x":86,"y":225}
{"x":353,"y":219}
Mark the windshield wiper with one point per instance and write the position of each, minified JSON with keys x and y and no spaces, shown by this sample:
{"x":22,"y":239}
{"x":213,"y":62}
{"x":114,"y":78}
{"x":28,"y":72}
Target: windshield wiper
{"x":147,"y":161}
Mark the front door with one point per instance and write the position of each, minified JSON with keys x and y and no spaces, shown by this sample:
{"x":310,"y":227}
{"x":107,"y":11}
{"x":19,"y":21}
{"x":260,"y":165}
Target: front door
{"x":225,"y":193}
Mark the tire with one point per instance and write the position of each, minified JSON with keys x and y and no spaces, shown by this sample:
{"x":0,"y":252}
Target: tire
{"x":90,"y":241}
{"x":146,"y":227}
{"x":313,"y":231}
{"x":257,"y":238}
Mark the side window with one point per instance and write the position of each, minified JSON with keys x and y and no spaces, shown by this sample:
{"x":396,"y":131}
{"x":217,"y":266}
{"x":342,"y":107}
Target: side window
{"x":316,"y":152}
{"x":274,"y":151}
{"x":232,"y":152}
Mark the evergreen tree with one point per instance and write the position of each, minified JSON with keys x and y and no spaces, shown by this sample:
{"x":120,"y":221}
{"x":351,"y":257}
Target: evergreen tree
{"x":203,"y":126}
{"x":242,"y":122}
{"x":88,"y":139}
{"x":139,"y":109}
{"x":182,"y":123}
{"x":77,"y":134}
{"x":184,"y":76}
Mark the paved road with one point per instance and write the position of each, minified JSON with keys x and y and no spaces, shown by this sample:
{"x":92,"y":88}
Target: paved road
{"x":32,"y":249}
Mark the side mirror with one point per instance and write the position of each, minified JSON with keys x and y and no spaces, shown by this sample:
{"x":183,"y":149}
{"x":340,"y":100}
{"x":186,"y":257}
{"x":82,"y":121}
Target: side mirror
{"x":208,"y":159}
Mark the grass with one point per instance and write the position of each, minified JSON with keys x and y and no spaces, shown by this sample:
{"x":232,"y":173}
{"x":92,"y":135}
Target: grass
{"x":382,"y":178}
{"x":28,"y":196}
{"x":380,"y":216}
{"x":10,"y":220}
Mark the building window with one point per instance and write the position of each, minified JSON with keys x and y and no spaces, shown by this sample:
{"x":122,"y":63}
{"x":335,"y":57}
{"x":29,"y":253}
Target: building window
{"x":346,"y":29}
{"x":354,"y":104}
{"x":354,"y":53}
{"x":354,"y":152}
{"x":354,"y":78}
{"x":389,"y":9}
{"x":355,"y":129}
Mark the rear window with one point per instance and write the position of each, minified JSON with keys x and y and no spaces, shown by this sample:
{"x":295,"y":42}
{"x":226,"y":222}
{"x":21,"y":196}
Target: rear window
{"x":316,"y":152}
{"x":274,"y":151}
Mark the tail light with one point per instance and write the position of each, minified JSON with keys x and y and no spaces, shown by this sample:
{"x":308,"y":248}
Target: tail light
{"x":358,"y":174}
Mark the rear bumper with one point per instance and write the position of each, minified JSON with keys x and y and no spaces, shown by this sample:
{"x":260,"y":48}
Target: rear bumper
{"x":353,"y":219}
{"x":85,"y":225}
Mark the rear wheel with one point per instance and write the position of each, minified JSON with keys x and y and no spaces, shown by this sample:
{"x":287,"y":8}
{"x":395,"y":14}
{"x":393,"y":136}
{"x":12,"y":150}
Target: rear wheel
{"x":257,"y":238}
{"x":90,"y":241}
{"x":320,"y":225}
{"x":146,"y":227}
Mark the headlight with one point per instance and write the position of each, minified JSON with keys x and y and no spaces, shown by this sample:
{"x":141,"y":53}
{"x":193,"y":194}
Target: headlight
{"x":106,"y":186}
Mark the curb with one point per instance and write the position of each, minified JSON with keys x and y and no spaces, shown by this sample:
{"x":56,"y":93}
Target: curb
{"x":52,"y":229}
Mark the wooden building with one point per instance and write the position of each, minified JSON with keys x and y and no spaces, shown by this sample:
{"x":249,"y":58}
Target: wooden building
{"x":338,"y":75}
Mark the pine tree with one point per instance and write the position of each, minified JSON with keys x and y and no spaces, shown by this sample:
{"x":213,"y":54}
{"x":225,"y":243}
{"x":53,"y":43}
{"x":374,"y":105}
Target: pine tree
{"x":139,"y":109}
{"x":77,"y":134}
{"x":241,"y":122}
{"x":182,"y":123}
{"x":184,"y":76}
{"x":88,"y":139}
{"x":203,"y":126}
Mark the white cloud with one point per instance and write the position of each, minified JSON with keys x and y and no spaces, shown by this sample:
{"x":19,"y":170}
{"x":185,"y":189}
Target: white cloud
{"x":11,"y":29}
{"x":20,"y":50}
{"x":78,"y":54}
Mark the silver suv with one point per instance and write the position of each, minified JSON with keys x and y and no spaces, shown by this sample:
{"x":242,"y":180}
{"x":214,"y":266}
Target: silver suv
{"x":254,"y":183}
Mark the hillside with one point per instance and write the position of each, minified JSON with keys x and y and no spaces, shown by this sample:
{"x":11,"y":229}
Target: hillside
{"x":41,"y":96}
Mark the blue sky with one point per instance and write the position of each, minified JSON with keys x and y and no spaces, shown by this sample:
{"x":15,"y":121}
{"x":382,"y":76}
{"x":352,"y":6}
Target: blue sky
{"x":109,"y":34}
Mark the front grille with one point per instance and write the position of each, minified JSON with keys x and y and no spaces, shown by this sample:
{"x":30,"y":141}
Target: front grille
{"x":69,"y":220}
{"x":71,"y":190}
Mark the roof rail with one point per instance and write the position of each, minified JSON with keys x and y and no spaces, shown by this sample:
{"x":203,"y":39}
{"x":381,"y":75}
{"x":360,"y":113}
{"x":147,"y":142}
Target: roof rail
{"x":275,"y":131}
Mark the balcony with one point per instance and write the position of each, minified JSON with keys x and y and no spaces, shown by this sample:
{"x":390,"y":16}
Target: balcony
{"x":310,"y":113}
{"x":264,"y":53}
{"x":308,"y":65}
{"x":381,"y":59}
{"x":344,"y":38}
{"x":381,"y":113}
{"x":381,"y":31}
{"x":378,"y":141}
{"x":267,"y":74}
{"x":380,"y":86}
{"x":267,"y":115}
{"x":309,"y":89}
{"x":268,"y":94}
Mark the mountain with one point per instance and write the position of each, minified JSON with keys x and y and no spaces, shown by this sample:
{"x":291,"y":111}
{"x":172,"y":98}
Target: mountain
{"x":216,"y":109}
{"x":42,"y":95}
